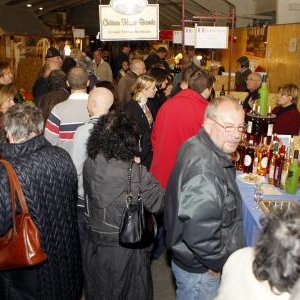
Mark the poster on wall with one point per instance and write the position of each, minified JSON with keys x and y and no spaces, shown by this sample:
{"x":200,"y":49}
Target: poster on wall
{"x":257,"y":40}
{"x":78,"y":33}
{"x":215,"y":37}
{"x":115,"y":26}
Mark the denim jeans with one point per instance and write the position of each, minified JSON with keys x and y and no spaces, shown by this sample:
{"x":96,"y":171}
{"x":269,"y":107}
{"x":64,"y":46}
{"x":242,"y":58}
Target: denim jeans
{"x":192,"y":286}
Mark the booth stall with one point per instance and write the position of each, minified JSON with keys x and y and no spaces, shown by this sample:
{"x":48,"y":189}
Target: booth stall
{"x":20,"y":31}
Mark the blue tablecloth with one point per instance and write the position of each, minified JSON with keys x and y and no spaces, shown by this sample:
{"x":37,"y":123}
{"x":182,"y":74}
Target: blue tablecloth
{"x":252,"y":215}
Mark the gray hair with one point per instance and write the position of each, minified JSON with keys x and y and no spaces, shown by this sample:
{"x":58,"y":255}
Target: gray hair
{"x":85,"y":62}
{"x":212,"y":108}
{"x":23,"y":121}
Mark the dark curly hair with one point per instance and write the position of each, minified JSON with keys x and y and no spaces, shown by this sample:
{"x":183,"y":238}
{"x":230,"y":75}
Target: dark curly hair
{"x":114,"y":136}
{"x":277,"y":254}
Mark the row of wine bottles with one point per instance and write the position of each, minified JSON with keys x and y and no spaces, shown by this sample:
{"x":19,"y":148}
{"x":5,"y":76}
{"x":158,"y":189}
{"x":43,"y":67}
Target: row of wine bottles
{"x":272,"y":160}
{"x":259,"y":126}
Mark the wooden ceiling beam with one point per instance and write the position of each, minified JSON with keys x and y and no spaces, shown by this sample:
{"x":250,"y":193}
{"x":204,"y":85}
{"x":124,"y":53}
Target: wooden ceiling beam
{"x":2,"y":2}
{"x":55,"y":6}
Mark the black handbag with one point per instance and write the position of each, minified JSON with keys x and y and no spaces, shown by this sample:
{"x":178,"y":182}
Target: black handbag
{"x":138,"y":227}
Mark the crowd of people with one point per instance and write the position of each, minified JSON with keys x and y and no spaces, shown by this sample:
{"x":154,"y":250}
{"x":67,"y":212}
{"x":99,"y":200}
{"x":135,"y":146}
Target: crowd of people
{"x":90,"y":125}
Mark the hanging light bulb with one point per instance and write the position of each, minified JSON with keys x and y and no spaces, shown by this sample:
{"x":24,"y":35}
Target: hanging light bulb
{"x":128,"y":7}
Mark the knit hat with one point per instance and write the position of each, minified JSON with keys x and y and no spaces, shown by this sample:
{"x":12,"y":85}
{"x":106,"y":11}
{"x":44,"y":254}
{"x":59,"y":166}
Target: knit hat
{"x":52,"y":52}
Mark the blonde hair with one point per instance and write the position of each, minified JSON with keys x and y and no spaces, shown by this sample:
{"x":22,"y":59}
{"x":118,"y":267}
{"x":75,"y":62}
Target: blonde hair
{"x":6,"y":91}
{"x":142,"y":83}
{"x":290,"y":89}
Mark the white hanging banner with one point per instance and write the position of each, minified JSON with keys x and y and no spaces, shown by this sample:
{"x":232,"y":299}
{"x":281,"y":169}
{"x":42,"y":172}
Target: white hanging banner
{"x":177,"y":37}
{"x":189,"y":36}
{"x":115,"y":26}
{"x":215,"y":37}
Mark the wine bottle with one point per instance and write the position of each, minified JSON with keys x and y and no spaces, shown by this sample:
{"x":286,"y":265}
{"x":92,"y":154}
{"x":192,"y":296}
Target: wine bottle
{"x":212,"y":94}
{"x":285,"y":170}
{"x":272,"y":164}
{"x":292,"y":180}
{"x":256,"y":126}
{"x":262,"y":167}
{"x":263,"y":97}
{"x":249,"y":157}
{"x":269,"y":125}
{"x":255,"y":165}
{"x":250,"y":121}
{"x":222,"y":92}
{"x":279,"y":166}
{"x":291,"y":148}
{"x":240,"y":154}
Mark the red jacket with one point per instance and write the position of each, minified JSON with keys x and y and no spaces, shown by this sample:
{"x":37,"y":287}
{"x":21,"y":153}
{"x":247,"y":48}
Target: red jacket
{"x":178,"y":119}
{"x":287,"y":120}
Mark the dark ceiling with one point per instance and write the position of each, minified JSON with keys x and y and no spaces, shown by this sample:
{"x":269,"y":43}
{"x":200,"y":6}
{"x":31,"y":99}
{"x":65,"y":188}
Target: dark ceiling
{"x":84,"y":13}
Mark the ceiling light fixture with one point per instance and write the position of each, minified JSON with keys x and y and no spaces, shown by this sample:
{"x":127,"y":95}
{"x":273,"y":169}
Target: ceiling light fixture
{"x":28,"y":5}
{"x":41,"y":8}
{"x":128,"y":7}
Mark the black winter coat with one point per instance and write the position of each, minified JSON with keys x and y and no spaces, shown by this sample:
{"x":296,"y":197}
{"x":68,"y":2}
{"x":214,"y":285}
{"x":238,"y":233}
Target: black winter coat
{"x":49,"y":182}
{"x":135,"y":111}
{"x":203,"y":213}
{"x":114,"y":272}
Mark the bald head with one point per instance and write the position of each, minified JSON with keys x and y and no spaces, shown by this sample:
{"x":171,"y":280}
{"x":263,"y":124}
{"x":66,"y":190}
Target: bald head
{"x":138,"y":67}
{"x":100,"y":101}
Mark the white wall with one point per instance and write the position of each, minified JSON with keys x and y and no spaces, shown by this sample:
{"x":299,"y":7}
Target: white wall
{"x":285,"y":13}
{"x":243,"y":8}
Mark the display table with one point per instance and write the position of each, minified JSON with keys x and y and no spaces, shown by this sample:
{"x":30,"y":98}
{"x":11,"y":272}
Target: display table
{"x":252,"y":214}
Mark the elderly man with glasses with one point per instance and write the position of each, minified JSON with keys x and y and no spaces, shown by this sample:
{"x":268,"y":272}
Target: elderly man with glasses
{"x":203,"y":217}
{"x":253,"y":82}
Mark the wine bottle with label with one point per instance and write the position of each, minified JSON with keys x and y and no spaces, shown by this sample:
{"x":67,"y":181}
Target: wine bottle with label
{"x":262,"y":167}
{"x":285,"y":170}
{"x":292,"y":180}
{"x":255,"y":165}
{"x":250,"y":121}
{"x":272,"y":164}
{"x":249,"y":157}
{"x":256,"y":127}
{"x":240,"y":154}
{"x":269,"y":125}
{"x":279,"y":166}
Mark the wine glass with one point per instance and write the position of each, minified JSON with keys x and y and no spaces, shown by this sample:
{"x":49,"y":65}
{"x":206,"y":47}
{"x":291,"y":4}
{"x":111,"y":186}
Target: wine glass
{"x":258,"y":194}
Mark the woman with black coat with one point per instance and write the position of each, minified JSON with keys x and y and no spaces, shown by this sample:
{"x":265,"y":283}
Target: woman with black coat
{"x":49,"y":181}
{"x":111,"y":270}
{"x":143,"y":89}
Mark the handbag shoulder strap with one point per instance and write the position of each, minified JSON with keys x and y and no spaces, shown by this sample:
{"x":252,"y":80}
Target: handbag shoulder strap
{"x":129,"y":191}
{"x":15,"y":187}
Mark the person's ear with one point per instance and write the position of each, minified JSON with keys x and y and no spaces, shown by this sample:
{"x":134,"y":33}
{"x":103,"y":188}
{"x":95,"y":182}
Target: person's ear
{"x":207,"y":125}
{"x":9,"y":137}
{"x":206,"y":93}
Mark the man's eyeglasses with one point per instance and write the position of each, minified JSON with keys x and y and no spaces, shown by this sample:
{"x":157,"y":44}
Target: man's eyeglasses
{"x":230,"y":128}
